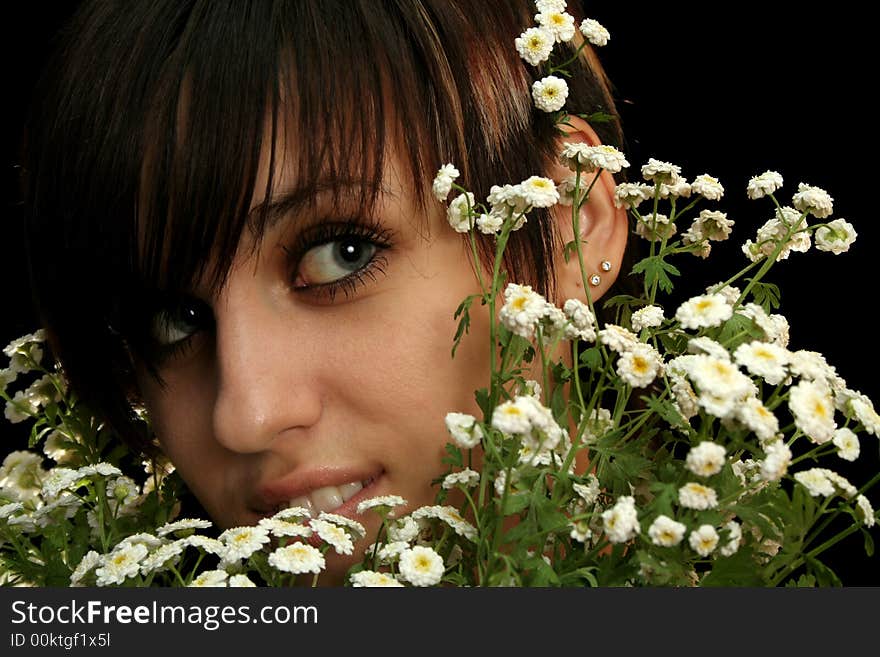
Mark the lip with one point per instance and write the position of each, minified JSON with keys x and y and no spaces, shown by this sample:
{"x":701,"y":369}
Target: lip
{"x":269,"y":496}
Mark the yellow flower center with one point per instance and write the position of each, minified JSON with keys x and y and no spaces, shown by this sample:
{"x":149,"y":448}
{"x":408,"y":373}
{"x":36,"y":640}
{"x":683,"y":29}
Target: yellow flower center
{"x":640,"y":365}
{"x":704,"y":304}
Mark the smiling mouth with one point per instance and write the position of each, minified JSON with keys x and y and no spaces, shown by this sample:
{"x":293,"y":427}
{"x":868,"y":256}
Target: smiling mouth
{"x":327,"y":498}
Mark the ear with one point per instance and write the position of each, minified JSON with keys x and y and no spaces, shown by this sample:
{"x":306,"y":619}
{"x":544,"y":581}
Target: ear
{"x":603,"y":227}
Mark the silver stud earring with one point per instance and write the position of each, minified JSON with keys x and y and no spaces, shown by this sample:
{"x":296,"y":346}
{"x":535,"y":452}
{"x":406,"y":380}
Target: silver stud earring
{"x":595,"y":279}
{"x":606,"y":265}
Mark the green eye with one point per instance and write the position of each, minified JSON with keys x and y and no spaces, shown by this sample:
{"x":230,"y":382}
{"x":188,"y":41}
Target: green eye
{"x":176,"y":324}
{"x":334,"y":260}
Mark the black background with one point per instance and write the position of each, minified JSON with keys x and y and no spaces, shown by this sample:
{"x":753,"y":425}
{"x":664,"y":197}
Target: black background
{"x":730,"y":89}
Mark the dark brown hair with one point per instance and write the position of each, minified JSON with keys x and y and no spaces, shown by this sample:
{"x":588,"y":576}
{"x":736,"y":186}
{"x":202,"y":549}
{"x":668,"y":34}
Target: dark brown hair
{"x":146,"y":134}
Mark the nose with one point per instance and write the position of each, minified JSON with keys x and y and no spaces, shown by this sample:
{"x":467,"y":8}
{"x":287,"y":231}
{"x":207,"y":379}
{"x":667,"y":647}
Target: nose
{"x":265,"y":373}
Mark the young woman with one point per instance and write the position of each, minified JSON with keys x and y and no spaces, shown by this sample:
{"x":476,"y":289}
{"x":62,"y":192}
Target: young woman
{"x":230,"y":223}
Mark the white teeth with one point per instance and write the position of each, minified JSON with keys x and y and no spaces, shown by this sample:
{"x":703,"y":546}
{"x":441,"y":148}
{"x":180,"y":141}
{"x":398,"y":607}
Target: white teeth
{"x":327,"y":498}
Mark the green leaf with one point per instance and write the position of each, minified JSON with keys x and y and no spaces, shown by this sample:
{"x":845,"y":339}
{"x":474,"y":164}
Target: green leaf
{"x":766,"y":295}
{"x":592,"y":358}
{"x":869,"y":542}
{"x":464,"y":323}
{"x":597,"y":117}
{"x":736,"y":570}
{"x":824,"y":575}
{"x":483,"y":401}
{"x":657,"y":270}
{"x":516,"y":502}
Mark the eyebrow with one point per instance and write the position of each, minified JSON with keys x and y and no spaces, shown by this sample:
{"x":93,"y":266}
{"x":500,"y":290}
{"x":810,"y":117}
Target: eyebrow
{"x":266,"y":214}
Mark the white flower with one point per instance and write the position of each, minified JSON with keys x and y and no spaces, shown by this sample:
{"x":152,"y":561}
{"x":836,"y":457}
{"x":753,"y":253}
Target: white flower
{"x":504,"y":198}
{"x":460,"y":213}
{"x":88,"y":563}
{"x":837,"y":236}
{"x":390,"y":552}
{"x":463,"y":428}
{"x":297,"y":558}
{"x":775,"y":327}
{"x":522,"y":310}
{"x":647,"y":317}
{"x":162,"y":556}
{"x":370,"y":578}
{"x":356,"y":529}
{"x":639,"y":366}
{"x":678,"y":188}
{"x":333,"y":535}
{"x":421,"y":566}
{"x":704,"y":311}
{"x":776,"y":461}
{"x":708,"y":187}
{"x":184,"y":525}
{"x":467,"y":478}
{"x":706,"y":459}
{"x":631,"y":195}
{"x":734,"y":530}
{"x":813,"y":410}
{"x":864,"y":508}
{"x":442,"y":185}
{"x":535,"y":45}
{"x":703,"y":540}
{"x":292,"y":513}
{"x":866,"y":414}
{"x":580,"y":531}
{"x":697,"y":496}
{"x":814,"y":200}
{"x":767,"y":183}
{"x":119,"y":565}
{"x":450,"y":516}
{"x":655,"y":227}
{"x":618,"y":339}
{"x":811,"y":365}
{"x":847,"y":444}
{"x":621,"y":522}
{"x":539,"y":192}
{"x":578,"y":155}
{"x":550,"y":93}
{"x":381,"y":501}
{"x":594,"y":32}
{"x":278,"y":527}
{"x":711,"y":225}
{"x":841,"y":483}
{"x":720,"y":378}
{"x":709,"y":347}
{"x":204,"y":543}
{"x":815,"y":481}
{"x":7,"y":376}
{"x":666,"y":532}
{"x":240,"y":582}
{"x":405,"y":529}
{"x":774,"y":231}
{"x":211,"y":579}
{"x":550,"y":5}
{"x":758,"y":418}
{"x":559,"y":23}
{"x":25,"y":350}
{"x":661,"y":172}
{"x":588,"y":492}
{"x":242,"y":542}
{"x":765,"y":360}
{"x":489,"y":223}
{"x":582,"y":322}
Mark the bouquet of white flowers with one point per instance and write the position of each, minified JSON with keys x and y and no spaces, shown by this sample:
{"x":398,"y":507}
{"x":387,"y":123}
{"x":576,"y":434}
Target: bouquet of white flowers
{"x":671,"y":446}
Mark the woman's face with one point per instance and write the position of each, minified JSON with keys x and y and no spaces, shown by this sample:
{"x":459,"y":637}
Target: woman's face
{"x":327,"y":375}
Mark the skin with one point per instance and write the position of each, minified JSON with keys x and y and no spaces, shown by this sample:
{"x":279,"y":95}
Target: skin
{"x":291,"y":391}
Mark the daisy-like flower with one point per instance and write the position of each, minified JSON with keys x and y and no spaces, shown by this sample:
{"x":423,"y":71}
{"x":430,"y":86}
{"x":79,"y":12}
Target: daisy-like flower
{"x":618,"y":339}
{"x":280,"y":528}
{"x":242,"y":542}
{"x":293,"y":513}
{"x":297,"y":558}
{"x":333,"y":535}
{"x":847,"y":444}
{"x":371,"y":578}
{"x":535,"y":45}
{"x":706,"y":459}
{"x":460,"y":213}
{"x":661,"y":173}
{"x":631,"y":195}
{"x":467,"y":478}
{"x":704,"y":311}
{"x":581,"y":321}
{"x":594,"y":32}
{"x":588,"y":158}
{"x":865,"y":413}
{"x":813,"y":410}
{"x":387,"y":501}
{"x":446,"y":175}
{"x":549,"y":93}
{"x":463,"y":428}
{"x":539,"y":192}
{"x":865,"y":510}
{"x":816,"y":482}
{"x":211,"y":579}
{"x":776,"y":461}
{"x":712,"y":225}
{"x":580,"y":531}
{"x":86,"y":565}
{"x":404,"y":529}
{"x":522,"y":310}
{"x":841,"y":483}
{"x":647,"y":317}
{"x":703,"y":540}
{"x":697,"y":496}
{"x":421,"y":566}
{"x":762,"y":359}
{"x":390,"y":552}
{"x":719,"y":378}
{"x":775,"y":326}
{"x":685,"y":398}
{"x":621,"y":522}
{"x":506,"y":198}
{"x":24,"y":350}
{"x":758,"y":418}
{"x":489,"y":223}
{"x":811,"y":365}
{"x":767,"y":183}
{"x":655,"y":227}
{"x":566,"y":191}
{"x":837,"y":236}
{"x":356,"y":529}
{"x":160,"y":558}
{"x":122,"y":563}
{"x":776,"y":229}
{"x":814,"y":200}
{"x":450,"y":516}
{"x":705,"y":345}
{"x":240,"y":582}
{"x":588,"y":492}
{"x":559,"y":23}
{"x":734,"y":533}
{"x":709,"y":187}
{"x":666,"y":532}
{"x":678,"y":188}
{"x":639,"y":366}
{"x":551,"y":5}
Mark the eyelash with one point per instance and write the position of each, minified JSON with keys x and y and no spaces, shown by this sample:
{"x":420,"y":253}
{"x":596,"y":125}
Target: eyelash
{"x":365,"y":230}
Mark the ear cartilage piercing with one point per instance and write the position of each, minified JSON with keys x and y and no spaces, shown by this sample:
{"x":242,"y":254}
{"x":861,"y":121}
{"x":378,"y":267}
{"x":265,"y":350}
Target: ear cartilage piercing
{"x":595,"y":279}
{"x":606,"y":265}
